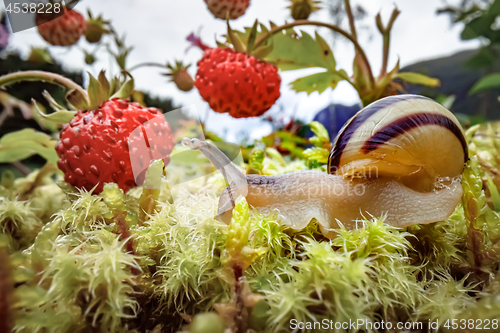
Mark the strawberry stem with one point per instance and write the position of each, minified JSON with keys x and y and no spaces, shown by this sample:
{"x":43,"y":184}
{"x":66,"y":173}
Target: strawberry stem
{"x":147,"y":64}
{"x":56,"y":79}
{"x":351,"y":18}
{"x":333,"y":27}
{"x":386,"y":35}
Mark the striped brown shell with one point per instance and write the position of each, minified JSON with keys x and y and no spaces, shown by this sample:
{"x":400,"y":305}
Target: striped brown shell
{"x":409,"y":137}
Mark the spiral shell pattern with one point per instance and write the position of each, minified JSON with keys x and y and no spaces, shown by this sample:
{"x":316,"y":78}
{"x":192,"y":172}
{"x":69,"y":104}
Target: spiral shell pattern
{"x":405,"y":136}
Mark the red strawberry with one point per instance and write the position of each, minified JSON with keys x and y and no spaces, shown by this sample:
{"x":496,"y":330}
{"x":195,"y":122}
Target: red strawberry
{"x":94,"y":147}
{"x":64,"y":30}
{"x":235,"y":8}
{"x":237,"y":83}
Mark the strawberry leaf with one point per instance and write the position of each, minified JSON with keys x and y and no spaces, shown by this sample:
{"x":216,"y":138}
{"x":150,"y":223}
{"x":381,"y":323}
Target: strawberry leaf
{"x":318,"y":82}
{"x":263,"y":51}
{"x":25,"y":143}
{"x":96,"y":94}
{"x":251,"y":38}
{"x":105,"y":86}
{"x":77,"y":100}
{"x":292,"y":51}
{"x":58,"y":117}
{"x":38,"y":110}
{"x":234,"y":38}
{"x":52,"y":102}
{"x":289,"y":50}
{"x":125,"y":91}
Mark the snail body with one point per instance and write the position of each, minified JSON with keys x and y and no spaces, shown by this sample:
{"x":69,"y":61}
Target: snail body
{"x":401,"y":157}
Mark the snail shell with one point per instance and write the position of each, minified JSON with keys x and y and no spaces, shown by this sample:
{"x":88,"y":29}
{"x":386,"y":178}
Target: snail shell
{"x":401,"y":157}
{"x":409,"y":137}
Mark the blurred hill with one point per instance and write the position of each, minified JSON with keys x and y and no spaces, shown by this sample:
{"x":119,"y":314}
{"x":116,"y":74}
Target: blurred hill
{"x":457,"y":77}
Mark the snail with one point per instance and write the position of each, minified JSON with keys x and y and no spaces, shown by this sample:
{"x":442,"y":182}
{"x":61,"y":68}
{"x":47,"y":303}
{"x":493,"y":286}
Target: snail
{"x":401,"y":157}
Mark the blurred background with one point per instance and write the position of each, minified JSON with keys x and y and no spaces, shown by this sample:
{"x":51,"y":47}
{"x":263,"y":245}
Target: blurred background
{"x":423,"y":40}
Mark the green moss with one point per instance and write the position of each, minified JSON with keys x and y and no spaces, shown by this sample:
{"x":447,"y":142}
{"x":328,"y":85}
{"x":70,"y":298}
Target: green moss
{"x":117,"y":263}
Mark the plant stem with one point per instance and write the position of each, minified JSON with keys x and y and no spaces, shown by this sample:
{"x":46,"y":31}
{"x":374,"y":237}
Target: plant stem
{"x":24,"y":170}
{"x":351,"y":19}
{"x":386,"y":35}
{"x":385,"y":55}
{"x":147,"y":64}
{"x":56,"y":79}
{"x":6,"y":289}
{"x":333,"y":27}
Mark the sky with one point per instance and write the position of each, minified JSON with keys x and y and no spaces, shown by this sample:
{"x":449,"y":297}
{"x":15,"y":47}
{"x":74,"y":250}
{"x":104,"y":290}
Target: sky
{"x":158,"y":31}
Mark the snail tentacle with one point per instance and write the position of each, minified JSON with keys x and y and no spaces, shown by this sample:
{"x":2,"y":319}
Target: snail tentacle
{"x":223,"y":164}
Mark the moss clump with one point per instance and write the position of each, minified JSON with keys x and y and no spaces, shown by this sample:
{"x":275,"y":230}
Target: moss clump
{"x":155,"y":260}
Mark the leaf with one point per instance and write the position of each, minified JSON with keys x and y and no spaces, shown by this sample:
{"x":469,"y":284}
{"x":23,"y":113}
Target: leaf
{"x":96,"y":95}
{"x":317,"y":154}
{"x":238,"y":252}
{"x":488,"y":82}
{"x":495,"y":196}
{"x":480,"y":26}
{"x":263,"y":51}
{"x":235,"y":39}
{"x":292,"y":51}
{"x":77,"y":100}
{"x":289,"y":50}
{"x":274,"y":154}
{"x":126,"y":90}
{"x":263,"y":28}
{"x":463,"y":16}
{"x":58,"y":117}
{"x":321,"y":134}
{"x":494,"y":9}
{"x":417,"y":78}
{"x":22,"y":144}
{"x":252,"y":36}
{"x":52,"y":102}
{"x":318,"y":82}
{"x":37,"y":116}
{"x":256,"y":159}
{"x":446,"y":101}
{"x":153,"y":178}
{"x":389,"y":77}
{"x":105,"y":86}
